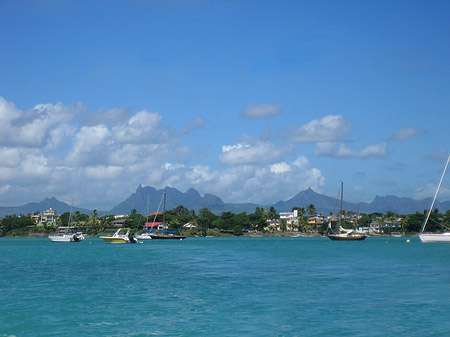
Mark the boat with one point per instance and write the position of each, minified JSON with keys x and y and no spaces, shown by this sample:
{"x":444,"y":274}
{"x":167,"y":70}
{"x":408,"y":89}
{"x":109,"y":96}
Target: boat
{"x":165,"y":234}
{"x":434,"y":237}
{"x":66,"y":234}
{"x":146,"y":234}
{"x":340,"y":233}
{"x":122,"y":235}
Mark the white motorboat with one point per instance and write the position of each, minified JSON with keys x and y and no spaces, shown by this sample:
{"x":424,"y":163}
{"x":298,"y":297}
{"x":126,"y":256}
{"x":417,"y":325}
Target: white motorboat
{"x":66,"y":234}
{"x":122,"y":235}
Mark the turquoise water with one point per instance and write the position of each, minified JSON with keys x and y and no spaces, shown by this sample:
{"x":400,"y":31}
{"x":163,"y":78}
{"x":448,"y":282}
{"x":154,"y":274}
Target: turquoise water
{"x":225,"y":287}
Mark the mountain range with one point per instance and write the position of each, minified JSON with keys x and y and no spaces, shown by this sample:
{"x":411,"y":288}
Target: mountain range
{"x":148,"y":199}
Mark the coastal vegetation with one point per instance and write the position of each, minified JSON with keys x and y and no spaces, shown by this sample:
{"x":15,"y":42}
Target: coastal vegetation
{"x":206,"y":223}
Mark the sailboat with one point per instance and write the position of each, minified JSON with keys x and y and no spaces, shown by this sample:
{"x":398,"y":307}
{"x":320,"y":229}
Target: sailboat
{"x":340,"y":233}
{"x":165,"y":234}
{"x":67,"y":233}
{"x":435,"y":237}
{"x":147,"y":235}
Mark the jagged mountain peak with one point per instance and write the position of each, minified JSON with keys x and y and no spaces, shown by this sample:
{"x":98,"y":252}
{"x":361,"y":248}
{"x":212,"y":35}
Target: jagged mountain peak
{"x":148,"y":198}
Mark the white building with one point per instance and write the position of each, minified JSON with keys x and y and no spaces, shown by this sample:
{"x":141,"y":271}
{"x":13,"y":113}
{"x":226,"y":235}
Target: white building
{"x":291,"y":219}
{"x":49,"y":216}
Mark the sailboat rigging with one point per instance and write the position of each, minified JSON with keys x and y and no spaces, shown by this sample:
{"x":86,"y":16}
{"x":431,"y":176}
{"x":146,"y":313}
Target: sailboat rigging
{"x":67,"y":233}
{"x":340,"y":233}
{"x":162,"y":234}
{"x":435,"y":237}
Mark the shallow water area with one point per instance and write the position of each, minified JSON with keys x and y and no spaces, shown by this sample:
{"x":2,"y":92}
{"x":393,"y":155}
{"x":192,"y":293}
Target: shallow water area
{"x":224,"y":287}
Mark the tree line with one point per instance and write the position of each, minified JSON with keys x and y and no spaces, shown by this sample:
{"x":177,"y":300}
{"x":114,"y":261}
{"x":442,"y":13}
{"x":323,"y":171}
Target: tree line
{"x":227,"y":223}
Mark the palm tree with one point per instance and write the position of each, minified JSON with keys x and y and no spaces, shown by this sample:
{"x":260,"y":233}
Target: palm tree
{"x":272,"y":213}
{"x":311,"y":209}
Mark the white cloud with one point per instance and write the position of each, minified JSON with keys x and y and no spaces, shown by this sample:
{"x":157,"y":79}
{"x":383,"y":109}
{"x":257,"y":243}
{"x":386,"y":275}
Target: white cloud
{"x":103,"y":172}
{"x":261,"y":111}
{"x":34,"y":127}
{"x":428,"y":191}
{"x":90,"y":146}
{"x":406,"y":133}
{"x":263,"y":184}
{"x":22,"y":165}
{"x":101,"y":164}
{"x":257,"y":153}
{"x":142,"y":128}
{"x":279,"y":168}
{"x":328,"y":149}
{"x":329,"y":128}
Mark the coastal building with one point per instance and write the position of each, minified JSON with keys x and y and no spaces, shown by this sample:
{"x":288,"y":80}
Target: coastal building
{"x":49,"y":215}
{"x":36,"y":218}
{"x":291,"y":219}
{"x":316,"y":220}
{"x":118,"y":222}
{"x":374,"y":227}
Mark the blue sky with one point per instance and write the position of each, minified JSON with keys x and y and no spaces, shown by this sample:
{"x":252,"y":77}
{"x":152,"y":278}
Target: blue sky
{"x":252,"y":101}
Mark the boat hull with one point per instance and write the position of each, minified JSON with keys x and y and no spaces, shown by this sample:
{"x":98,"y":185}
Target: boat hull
{"x":115,"y":240}
{"x":61,"y":238}
{"x":119,"y":238}
{"x":66,"y":238}
{"x":442,"y":237}
{"x":143,"y":237}
{"x":338,"y":237}
{"x":168,"y":237}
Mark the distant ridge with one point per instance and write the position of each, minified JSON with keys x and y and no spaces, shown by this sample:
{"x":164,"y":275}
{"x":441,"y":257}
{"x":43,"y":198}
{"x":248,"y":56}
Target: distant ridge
{"x":149,"y":198}
{"x":47,"y":203}
{"x":192,"y":199}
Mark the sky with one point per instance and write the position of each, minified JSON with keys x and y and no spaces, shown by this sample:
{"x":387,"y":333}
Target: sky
{"x":252,"y":101}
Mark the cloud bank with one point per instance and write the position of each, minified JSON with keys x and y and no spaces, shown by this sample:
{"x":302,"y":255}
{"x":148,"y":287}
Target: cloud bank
{"x":100,"y":158}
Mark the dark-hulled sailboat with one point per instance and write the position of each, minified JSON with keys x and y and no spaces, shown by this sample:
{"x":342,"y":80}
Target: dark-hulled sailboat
{"x":166,"y":234}
{"x":338,"y":233}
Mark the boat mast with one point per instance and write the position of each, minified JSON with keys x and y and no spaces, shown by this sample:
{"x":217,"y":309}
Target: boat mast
{"x":164,"y":211}
{"x":435,"y":196}
{"x":342,"y":198}
{"x":70,"y":214}
{"x":357,"y":216}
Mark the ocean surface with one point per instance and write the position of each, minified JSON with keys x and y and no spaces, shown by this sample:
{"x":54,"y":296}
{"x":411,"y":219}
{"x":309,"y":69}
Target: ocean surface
{"x":225,"y":287}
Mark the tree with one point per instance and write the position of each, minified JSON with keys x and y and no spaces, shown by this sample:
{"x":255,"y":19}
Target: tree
{"x":65,"y":218}
{"x":300,"y":210}
{"x":257,"y":221}
{"x":243,"y":220}
{"x":237,"y":230}
{"x":311,"y":210}
{"x":283,"y":225}
{"x":16,"y":225}
{"x":134,"y":221}
{"x":205,"y":220}
{"x":413,"y":222}
{"x":272,"y":214}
